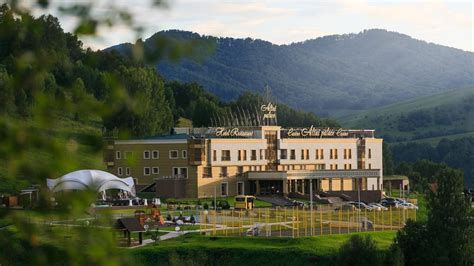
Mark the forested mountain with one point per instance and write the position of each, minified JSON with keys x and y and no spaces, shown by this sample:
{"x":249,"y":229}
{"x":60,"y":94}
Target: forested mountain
{"x":40,"y":64}
{"x":326,"y":75}
{"x":449,"y":114}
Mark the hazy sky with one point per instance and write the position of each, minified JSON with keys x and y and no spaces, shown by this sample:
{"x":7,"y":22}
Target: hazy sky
{"x":443,"y":22}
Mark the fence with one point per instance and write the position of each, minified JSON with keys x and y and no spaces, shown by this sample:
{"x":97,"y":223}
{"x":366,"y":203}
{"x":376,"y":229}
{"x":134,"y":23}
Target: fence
{"x":300,"y":221}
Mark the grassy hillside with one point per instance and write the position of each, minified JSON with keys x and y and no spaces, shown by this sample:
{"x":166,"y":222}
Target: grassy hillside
{"x":201,"y":250}
{"x":428,"y":119}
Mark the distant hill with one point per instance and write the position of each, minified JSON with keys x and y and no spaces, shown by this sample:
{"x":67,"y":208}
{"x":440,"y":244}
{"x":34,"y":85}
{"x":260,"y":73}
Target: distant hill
{"x":449,"y":114}
{"x":327,"y":75}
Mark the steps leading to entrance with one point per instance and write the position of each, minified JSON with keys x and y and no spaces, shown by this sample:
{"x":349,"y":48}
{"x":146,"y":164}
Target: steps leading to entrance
{"x":276,"y":200}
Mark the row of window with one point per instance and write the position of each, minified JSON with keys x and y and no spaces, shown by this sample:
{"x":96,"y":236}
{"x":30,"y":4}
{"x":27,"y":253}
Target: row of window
{"x":319,"y":154}
{"x":241,"y":155}
{"x":154,"y":154}
{"x":177,"y":171}
{"x":207,"y":171}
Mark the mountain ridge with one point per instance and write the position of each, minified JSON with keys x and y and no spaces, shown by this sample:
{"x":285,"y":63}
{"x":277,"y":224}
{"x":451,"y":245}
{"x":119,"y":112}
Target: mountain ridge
{"x":327,"y":74}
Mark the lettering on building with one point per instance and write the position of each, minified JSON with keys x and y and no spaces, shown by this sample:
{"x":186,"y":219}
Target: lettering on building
{"x":317,"y":132}
{"x":233,"y":132}
{"x":269,"y":111}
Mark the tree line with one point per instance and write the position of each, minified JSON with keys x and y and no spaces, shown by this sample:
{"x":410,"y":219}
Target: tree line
{"x":39,"y":61}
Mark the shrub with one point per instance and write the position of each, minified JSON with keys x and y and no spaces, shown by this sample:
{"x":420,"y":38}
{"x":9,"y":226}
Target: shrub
{"x":359,"y":250}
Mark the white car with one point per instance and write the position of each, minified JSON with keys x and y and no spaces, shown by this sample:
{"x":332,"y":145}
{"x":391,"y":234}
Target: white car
{"x":408,"y":205}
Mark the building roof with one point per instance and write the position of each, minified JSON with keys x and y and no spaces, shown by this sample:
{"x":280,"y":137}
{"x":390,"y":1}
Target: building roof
{"x":130,"y":224}
{"x":91,"y":179}
{"x":395,"y":177}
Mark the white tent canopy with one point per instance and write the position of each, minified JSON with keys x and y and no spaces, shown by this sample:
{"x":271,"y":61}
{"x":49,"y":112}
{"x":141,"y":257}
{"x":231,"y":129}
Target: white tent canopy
{"x":91,"y":179}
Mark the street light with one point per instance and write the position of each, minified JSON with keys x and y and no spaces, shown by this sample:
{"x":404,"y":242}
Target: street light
{"x":311,"y":204}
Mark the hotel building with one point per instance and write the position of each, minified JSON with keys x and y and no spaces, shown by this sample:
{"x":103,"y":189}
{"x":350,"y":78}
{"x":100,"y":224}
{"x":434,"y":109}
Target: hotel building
{"x":261,"y":159}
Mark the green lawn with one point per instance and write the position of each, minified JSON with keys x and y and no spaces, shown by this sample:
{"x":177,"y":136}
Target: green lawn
{"x":201,"y":250}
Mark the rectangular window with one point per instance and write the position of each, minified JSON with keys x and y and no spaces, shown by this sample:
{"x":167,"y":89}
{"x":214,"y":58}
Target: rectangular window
{"x":320,"y":166}
{"x":223,"y":172}
{"x":321,"y":155}
{"x":173,"y":154}
{"x":370,"y":153}
{"x":118,"y":155}
{"x":307,"y":154}
{"x":302,"y":154}
{"x":335,"y":154}
{"x":239,"y":155}
{"x":184,"y":172}
{"x":370,"y":166}
{"x":119,"y":171}
{"x":345,"y":153}
{"x":146,"y":154}
{"x":245,"y":155}
{"x":240,"y":188}
{"x":335,"y":167}
{"x":284,"y":154}
{"x":180,"y":172}
{"x":292,"y":155}
{"x":224,"y":189}
{"x":207,"y":172}
{"x":253,"y":155}
{"x":262,"y":154}
{"x":317,"y":154}
{"x":146,"y":170}
{"x":240,"y":170}
{"x":350,"y":166}
{"x":225,"y":155}
{"x":350,"y":153}
{"x":127,"y":171}
{"x":197,"y":154}
{"x":184,"y":154}
{"x":155,"y":154}
{"x":331,"y":154}
{"x":214,"y":155}
{"x":155,"y":170}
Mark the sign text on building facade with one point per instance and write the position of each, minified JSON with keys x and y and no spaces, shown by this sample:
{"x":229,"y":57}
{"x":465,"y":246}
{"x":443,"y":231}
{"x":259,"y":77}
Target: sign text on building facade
{"x":269,"y":111}
{"x":317,"y":132}
{"x":233,"y":132}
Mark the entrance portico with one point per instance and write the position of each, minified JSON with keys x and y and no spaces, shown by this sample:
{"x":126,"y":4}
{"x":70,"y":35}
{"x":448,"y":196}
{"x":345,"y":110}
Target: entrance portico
{"x":284,"y":182}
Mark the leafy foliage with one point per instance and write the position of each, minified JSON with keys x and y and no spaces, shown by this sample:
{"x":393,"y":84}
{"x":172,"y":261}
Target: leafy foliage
{"x":359,"y":250}
{"x":446,"y":238}
{"x":457,"y":153}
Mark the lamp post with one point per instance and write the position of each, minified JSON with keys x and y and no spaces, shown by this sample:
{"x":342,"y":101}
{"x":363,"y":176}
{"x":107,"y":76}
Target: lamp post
{"x":358,"y":198}
{"x":215,"y":198}
{"x":311,"y":204}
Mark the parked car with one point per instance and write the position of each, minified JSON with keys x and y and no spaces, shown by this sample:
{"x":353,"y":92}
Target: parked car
{"x":360,"y":205}
{"x":408,"y":205}
{"x":378,"y":207}
{"x":389,"y":202}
